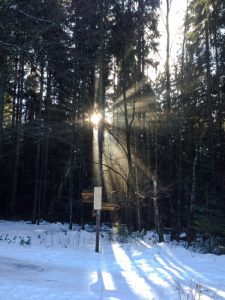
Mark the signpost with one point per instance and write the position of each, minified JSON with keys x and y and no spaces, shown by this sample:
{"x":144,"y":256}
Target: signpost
{"x":97,"y":207}
{"x":96,"y":198}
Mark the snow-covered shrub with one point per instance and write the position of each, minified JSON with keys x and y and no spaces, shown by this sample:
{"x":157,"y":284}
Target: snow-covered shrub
{"x":205,"y":243}
{"x":8,"y":238}
{"x":25,"y":241}
{"x":152,"y":236}
{"x":121,"y":233}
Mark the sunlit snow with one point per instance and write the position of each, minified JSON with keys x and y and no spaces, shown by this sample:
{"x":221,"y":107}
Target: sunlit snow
{"x":48,"y":262}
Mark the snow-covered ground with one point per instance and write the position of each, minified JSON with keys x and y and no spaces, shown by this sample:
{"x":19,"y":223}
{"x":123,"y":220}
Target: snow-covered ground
{"x":48,"y":262}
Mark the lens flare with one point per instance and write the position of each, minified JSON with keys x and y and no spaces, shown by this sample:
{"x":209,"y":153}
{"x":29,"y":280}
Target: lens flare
{"x":96,"y":118}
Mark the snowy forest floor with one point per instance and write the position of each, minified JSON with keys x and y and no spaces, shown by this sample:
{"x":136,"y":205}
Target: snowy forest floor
{"x":48,"y":262}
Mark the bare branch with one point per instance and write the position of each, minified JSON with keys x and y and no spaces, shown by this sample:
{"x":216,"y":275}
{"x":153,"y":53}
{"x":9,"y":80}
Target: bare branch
{"x":117,"y":140}
{"x":14,"y":7}
{"x":111,"y":169}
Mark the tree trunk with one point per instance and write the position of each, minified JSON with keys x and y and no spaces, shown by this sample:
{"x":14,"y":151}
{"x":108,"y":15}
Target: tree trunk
{"x":192,"y":198}
{"x":181,"y":116}
{"x":36,"y":214}
{"x":209,"y":102}
{"x":18,"y":133}
{"x":168,"y":83}
{"x":2,"y":94}
{"x":156,"y":207}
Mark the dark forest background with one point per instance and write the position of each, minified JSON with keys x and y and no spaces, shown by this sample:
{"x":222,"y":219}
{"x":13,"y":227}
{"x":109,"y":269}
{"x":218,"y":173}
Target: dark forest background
{"x":60,"y":58}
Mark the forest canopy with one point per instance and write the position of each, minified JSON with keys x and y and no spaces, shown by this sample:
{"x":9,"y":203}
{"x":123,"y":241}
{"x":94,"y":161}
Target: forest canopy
{"x":161,"y":140}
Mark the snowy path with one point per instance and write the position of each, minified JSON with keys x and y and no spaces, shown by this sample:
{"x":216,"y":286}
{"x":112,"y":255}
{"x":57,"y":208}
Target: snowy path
{"x":119,"y":272}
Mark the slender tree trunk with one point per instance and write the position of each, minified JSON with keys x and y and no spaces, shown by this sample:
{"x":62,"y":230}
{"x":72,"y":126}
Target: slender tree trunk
{"x":181,"y":116}
{"x":18,"y":133}
{"x":168,"y":119}
{"x":168,"y":83}
{"x":192,"y":197}
{"x":219,"y":157}
{"x":71,"y":168}
{"x":128,"y":144}
{"x":127,"y":124}
{"x":71,"y":190}
{"x":138,"y":200}
{"x":2,"y":94}
{"x":36,"y":214}
{"x":101,"y":98}
{"x":141,"y":40}
{"x":156,"y":207}
{"x":209,"y":101}
{"x":101,"y":125}
{"x":15,"y":84}
{"x":46,"y":145}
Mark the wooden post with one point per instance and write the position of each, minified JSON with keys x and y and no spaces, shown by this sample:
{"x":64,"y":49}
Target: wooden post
{"x":98,"y":214}
{"x":97,"y":207}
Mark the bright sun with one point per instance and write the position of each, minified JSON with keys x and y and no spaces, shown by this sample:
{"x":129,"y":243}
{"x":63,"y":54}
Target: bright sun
{"x":96,"y":118}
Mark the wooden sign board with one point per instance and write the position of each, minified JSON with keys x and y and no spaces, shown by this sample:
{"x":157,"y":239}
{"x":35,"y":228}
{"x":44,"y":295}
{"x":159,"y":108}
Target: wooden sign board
{"x":97,"y":198}
{"x":109,"y":206}
{"x":88,"y":197}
